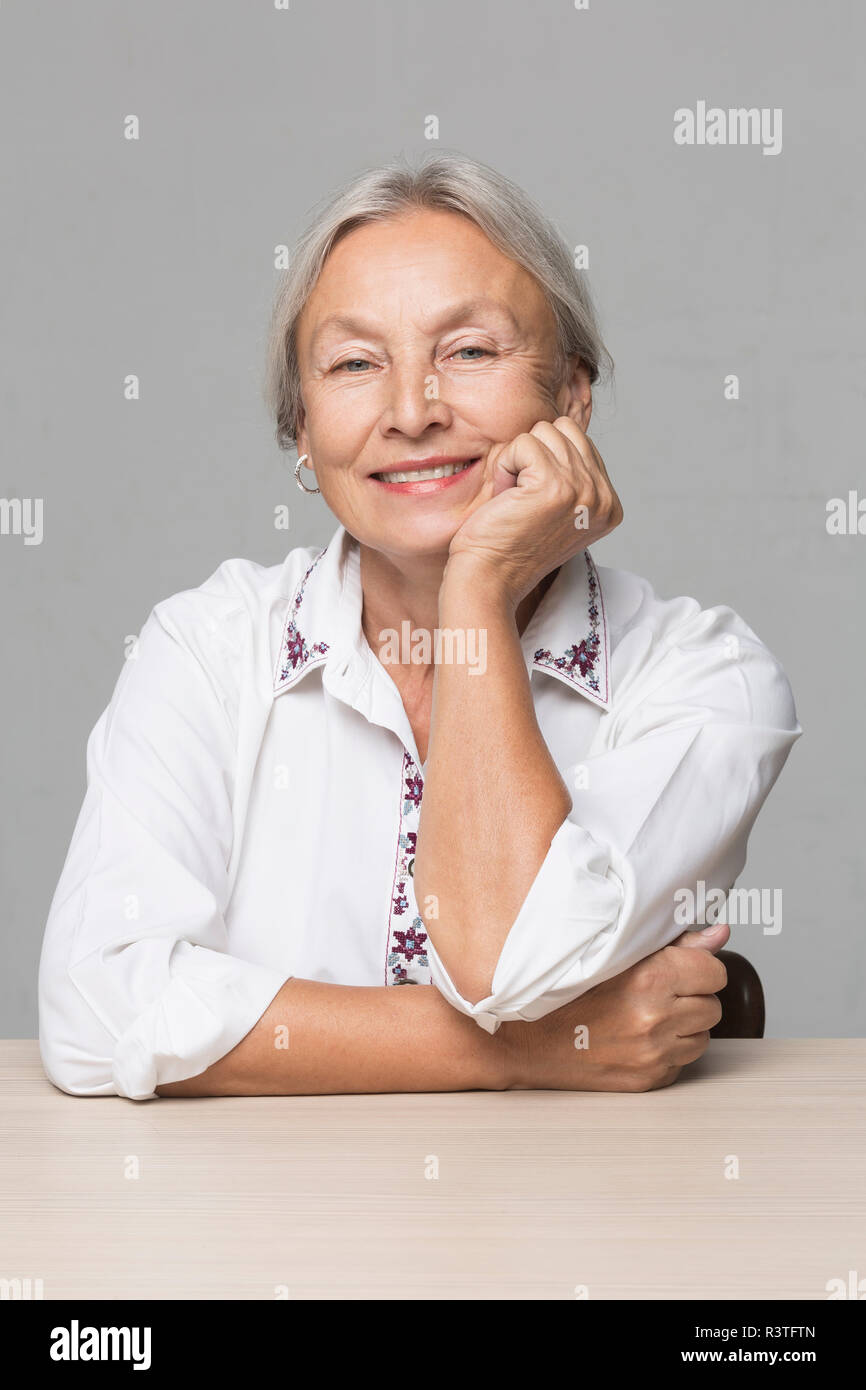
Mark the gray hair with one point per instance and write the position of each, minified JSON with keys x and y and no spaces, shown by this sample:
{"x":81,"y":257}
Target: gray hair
{"x":450,"y":182}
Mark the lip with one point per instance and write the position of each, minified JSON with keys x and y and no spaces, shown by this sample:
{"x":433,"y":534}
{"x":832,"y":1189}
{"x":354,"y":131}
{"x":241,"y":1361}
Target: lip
{"x":428,"y":485}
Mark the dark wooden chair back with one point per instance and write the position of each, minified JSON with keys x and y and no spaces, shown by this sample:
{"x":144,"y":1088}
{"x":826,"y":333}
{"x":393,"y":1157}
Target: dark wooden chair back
{"x":742,"y":1000}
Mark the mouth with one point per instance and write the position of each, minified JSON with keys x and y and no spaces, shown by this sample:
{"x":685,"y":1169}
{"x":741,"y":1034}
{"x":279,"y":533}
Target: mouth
{"x":429,"y":475}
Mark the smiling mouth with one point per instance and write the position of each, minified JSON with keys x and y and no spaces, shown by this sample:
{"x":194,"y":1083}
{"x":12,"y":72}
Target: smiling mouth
{"x":423,"y":475}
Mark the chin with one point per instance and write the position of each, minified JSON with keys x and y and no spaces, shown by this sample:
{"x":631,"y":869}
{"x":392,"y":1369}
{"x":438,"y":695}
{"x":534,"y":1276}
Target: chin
{"x":426,"y":536}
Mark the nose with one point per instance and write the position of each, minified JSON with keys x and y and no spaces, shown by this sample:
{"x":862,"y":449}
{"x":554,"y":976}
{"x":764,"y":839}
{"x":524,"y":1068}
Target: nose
{"x":414,"y":402}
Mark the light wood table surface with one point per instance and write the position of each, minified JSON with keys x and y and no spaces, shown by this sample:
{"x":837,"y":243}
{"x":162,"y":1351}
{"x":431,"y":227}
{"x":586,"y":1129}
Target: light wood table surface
{"x":538,"y":1193}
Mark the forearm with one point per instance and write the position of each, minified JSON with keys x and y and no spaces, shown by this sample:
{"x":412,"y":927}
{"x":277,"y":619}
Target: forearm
{"x":324,"y":1039}
{"x":493,"y":795}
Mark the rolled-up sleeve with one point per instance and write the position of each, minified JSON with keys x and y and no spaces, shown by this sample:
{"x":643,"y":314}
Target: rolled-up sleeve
{"x":665,"y":799}
{"x":137,"y":986}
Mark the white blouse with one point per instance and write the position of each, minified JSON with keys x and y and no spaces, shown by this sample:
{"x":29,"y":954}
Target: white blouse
{"x":254,"y":792}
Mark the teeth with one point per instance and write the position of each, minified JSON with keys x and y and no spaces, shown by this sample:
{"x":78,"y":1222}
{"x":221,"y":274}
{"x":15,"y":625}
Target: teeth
{"x":421,"y":475}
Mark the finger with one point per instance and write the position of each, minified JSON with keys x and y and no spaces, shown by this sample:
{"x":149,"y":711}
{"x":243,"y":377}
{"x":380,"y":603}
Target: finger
{"x":690,"y":1049}
{"x":602,"y":466}
{"x":585,"y":482}
{"x":669,"y":1077}
{"x":565,"y":448}
{"x":582,"y":443}
{"x":520,"y":453}
{"x":571,"y":431}
{"x":712,"y":938}
{"x":696,"y":1013}
{"x":592,"y":459}
{"x":696,"y":972}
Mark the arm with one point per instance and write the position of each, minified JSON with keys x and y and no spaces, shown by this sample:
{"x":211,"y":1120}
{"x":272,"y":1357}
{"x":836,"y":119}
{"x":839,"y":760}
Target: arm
{"x":137,"y":984}
{"x":473,"y":771}
{"x":673,"y":784}
{"x":324,"y":1039}
{"x":139,"y":993}
{"x":486,"y":753}
{"x":674,"y":780}
{"x":637,"y":1031}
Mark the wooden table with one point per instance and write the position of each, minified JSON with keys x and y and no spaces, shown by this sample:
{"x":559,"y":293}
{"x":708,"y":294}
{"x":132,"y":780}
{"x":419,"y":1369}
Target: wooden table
{"x":538,"y":1194}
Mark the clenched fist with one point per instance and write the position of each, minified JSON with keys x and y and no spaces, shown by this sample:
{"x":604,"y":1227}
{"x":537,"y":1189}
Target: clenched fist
{"x":545,"y":496}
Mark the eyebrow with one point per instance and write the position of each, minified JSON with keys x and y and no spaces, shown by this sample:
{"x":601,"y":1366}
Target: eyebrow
{"x":468,"y":309}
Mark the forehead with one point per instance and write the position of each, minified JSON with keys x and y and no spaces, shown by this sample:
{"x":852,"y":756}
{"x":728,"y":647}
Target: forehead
{"x":424,"y":260}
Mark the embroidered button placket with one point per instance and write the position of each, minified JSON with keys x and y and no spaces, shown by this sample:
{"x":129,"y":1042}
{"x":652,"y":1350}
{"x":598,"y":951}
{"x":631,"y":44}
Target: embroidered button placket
{"x":407,"y":962}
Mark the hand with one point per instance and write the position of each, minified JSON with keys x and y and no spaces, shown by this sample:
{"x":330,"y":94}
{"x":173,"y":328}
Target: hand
{"x":643,"y":1026}
{"x":545,"y":496}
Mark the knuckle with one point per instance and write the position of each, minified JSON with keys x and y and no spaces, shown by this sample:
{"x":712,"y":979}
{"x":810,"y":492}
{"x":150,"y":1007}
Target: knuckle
{"x":638,"y":1080}
{"x":700,"y":1042}
{"x":665,"y":1076}
{"x":646,"y":1019}
{"x":652,"y":970}
{"x":650,"y":1054}
{"x":654,"y":1078}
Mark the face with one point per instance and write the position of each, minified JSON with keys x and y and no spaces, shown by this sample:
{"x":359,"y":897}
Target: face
{"x":422,"y":343}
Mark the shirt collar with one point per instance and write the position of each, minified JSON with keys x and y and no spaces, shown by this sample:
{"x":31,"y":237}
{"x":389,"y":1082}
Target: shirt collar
{"x":567,"y":636}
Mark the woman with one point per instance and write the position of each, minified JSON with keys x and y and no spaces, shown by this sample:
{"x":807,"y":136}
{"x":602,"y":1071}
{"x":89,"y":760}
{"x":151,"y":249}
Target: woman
{"x":445,"y":749}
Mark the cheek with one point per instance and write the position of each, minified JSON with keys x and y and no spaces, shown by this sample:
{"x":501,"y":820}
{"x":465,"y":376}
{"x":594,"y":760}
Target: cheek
{"x":503,"y":401}
{"x":338,"y":422}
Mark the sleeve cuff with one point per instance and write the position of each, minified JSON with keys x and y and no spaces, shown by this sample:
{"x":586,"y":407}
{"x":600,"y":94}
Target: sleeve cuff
{"x":211,"y":1003}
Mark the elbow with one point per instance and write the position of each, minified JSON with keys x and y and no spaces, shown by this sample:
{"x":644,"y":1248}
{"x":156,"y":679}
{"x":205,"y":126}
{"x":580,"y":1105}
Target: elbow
{"x":73,"y":1071}
{"x":474,"y":981}
{"x":76,"y":1050}
{"x":470,"y":961}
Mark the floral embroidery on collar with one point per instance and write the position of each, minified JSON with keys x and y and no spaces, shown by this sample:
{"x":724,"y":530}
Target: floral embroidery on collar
{"x":407,"y":962}
{"x":580,"y":662}
{"x":295,"y":652}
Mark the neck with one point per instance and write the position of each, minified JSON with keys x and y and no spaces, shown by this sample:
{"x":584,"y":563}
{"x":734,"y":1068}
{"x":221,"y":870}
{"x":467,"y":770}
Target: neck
{"x":396,"y":590}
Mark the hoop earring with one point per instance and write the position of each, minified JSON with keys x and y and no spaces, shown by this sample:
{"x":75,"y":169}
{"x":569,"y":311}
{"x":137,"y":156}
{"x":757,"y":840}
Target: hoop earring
{"x":298,"y":476}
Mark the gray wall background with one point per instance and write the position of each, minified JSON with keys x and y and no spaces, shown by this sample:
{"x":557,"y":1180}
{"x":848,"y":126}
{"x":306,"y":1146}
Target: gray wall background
{"x":156,"y":257}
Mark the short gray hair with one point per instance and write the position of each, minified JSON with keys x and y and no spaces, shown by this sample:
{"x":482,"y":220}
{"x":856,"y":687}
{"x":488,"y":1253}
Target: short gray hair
{"x":450,"y":182}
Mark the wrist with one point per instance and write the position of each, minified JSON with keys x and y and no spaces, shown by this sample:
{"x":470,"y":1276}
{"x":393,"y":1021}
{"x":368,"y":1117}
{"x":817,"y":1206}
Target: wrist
{"x":468,"y":576}
{"x":513,"y":1060}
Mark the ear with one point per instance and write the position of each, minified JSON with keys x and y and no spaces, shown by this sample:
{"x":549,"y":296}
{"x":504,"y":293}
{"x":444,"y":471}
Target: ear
{"x":574,"y":397}
{"x":302,"y":442}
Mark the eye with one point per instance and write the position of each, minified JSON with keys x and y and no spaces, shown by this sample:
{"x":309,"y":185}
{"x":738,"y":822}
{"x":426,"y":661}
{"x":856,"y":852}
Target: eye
{"x":484,"y":351}
{"x":351,"y":362}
